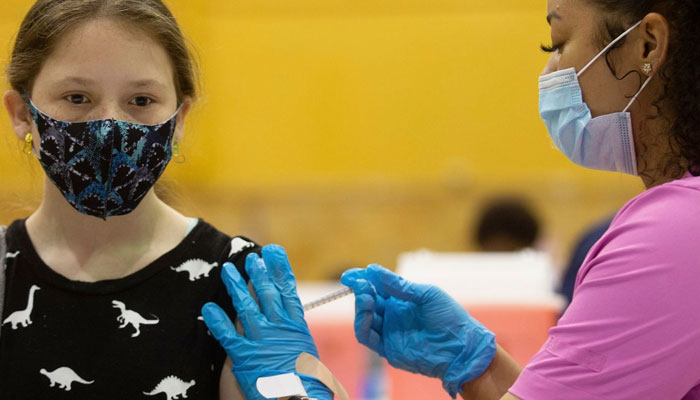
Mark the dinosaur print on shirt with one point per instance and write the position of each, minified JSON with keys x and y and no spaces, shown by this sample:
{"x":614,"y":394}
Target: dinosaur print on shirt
{"x":120,"y":337}
{"x":196,"y":268}
{"x":128,"y":317}
{"x":64,"y":377}
{"x":9,"y":256}
{"x":12,"y":255}
{"x":173,"y":387}
{"x":23,"y":317}
{"x":238,"y":245}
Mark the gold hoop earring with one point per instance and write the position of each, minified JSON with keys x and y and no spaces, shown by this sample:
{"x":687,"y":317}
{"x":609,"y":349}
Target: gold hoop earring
{"x":28,"y":143}
{"x":647,"y":68}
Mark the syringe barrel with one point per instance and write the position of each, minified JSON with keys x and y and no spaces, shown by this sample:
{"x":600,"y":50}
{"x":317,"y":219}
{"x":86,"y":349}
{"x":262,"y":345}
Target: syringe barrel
{"x":327,"y":298}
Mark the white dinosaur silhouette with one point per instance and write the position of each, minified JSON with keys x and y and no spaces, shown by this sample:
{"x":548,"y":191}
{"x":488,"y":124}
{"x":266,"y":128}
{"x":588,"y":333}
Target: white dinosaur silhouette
{"x":196,"y":268}
{"x":65,"y":377}
{"x":12,"y":255}
{"x":238,"y":245}
{"x":132,"y":317}
{"x":23,"y":317}
{"x":173,"y":387}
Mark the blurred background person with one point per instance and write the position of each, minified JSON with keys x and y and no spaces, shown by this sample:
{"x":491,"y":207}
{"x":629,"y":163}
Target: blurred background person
{"x":506,"y":224}
{"x":587,"y":239}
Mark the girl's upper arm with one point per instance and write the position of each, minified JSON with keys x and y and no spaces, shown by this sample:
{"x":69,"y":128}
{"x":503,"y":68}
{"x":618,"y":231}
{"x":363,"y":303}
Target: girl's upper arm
{"x":228,"y":386}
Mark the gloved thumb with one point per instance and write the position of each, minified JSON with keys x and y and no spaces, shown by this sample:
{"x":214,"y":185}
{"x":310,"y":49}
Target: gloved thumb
{"x":388,"y":284}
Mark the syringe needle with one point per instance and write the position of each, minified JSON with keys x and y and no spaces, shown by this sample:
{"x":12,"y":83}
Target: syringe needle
{"x":328,"y":298}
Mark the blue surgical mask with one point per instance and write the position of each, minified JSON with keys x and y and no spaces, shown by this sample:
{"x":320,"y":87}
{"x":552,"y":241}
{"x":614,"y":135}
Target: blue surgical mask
{"x":604,"y":143}
{"x":103,"y":167}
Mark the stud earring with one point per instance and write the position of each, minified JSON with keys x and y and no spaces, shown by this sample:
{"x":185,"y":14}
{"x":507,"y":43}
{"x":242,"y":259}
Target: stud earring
{"x":28,"y":143}
{"x":646,"y":68}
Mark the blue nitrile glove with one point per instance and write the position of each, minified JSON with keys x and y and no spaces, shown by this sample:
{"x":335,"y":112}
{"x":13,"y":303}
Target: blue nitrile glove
{"x":419,"y":328}
{"x":275,"y":333}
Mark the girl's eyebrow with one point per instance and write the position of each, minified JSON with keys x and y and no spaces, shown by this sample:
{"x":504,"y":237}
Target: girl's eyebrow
{"x":76,"y":80}
{"x":88,"y":82}
{"x":147,"y":83}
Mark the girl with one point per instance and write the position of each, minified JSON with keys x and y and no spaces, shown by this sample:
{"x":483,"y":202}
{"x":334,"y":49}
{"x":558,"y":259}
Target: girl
{"x":105,"y":282}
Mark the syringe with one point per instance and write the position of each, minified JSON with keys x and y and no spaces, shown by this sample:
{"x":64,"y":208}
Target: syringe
{"x":328,"y":298}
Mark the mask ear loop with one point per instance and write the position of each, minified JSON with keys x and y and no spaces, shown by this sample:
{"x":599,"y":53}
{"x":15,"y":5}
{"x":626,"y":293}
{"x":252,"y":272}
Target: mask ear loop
{"x":608,"y":47}
{"x":637,"y":95}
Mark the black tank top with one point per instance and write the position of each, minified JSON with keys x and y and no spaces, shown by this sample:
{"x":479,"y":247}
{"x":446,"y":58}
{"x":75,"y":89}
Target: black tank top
{"x":138,"y":337}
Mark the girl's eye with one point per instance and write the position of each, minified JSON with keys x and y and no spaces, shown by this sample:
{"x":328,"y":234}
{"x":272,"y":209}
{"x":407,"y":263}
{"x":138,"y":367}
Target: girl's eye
{"x":77,"y":98}
{"x":550,"y":49}
{"x":141,"y":101}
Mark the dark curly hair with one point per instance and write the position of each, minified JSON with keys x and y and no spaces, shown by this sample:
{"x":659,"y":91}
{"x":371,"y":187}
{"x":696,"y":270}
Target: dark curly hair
{"x":680,"y":75}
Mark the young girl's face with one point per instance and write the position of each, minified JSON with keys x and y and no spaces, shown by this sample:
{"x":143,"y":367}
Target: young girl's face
{"x":107,"y":69}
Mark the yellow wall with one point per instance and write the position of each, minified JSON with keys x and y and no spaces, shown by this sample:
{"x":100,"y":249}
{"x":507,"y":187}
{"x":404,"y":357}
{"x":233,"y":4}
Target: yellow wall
{"x":318,"y":116}
{"x":345,"y":90}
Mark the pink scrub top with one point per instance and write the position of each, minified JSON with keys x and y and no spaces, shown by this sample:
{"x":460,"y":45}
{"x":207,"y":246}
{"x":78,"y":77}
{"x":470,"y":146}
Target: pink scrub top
{"x":632,"y":330}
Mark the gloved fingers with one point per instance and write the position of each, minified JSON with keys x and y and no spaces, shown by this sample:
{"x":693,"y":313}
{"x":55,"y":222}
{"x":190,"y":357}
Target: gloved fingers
{"x":268,"y":295}
{"x":374,"y":342}
{"x":247,"y":308}
{"x":364,"y":310}
{"x":377,"y":322}
{"x":222,"y":328}
{"x":351,"y":276}
{"x":278,"y":265}
{"x":388,"y":284}
{"x":368,"y":323}
{"x":368,"y":304}
{"x":365,"y":296}
{"x":366,"y":335}
{"x":363,"y":327}
{"x":380,"y":305}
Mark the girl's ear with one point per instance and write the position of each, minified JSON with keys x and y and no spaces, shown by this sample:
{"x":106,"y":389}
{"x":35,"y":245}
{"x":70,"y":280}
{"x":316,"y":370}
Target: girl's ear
{"x":20,"y":117}
{"x":181,"y":116}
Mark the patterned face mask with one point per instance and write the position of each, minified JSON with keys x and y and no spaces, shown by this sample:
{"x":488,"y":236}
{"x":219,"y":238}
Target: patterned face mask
{"x":103,"y":167}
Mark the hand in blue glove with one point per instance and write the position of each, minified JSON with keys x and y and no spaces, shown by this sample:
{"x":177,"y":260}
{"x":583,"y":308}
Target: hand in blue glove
{"x":419,"y":328}
{"x":275,"y":332}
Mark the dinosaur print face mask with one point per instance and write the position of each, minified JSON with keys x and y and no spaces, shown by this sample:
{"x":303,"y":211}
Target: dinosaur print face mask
{"x":103,"y":167}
